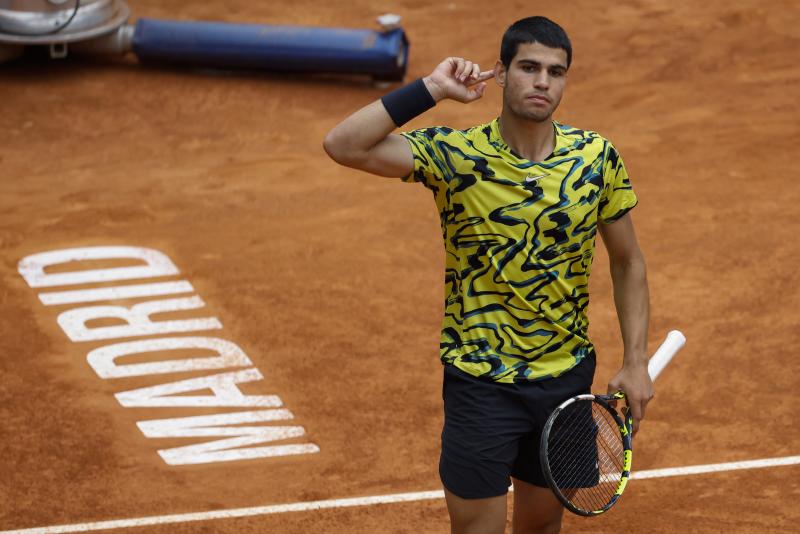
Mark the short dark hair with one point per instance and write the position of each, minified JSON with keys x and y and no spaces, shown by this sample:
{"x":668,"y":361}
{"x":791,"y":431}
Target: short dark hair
{"x":534,"y":30}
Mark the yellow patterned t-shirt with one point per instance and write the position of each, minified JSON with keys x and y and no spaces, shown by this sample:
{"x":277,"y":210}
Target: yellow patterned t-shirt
{"x":519,"y":239}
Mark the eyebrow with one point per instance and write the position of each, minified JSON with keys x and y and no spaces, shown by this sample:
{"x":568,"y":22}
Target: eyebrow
{"x":539,"y":63}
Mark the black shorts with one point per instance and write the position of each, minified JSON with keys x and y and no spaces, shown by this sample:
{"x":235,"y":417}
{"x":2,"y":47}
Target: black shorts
{"x":491,"y":430}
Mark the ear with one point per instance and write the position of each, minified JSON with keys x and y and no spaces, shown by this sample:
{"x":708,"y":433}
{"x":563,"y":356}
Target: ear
{"x":500,"y":73}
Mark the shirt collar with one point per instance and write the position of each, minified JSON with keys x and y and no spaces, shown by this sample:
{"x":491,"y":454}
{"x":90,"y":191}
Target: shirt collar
{"x":563,"y":143}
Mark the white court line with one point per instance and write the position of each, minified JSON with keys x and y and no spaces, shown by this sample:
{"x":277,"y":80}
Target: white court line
{"x":715,"y":468}
{"x":366,"y":501}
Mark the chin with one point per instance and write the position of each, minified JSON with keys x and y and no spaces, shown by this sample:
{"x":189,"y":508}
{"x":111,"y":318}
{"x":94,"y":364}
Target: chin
{"x":542,"y":117}
{"x":537,"y":116}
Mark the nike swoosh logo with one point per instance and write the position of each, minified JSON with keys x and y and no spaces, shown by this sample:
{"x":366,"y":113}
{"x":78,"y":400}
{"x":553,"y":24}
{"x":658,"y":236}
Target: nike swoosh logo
{"x":532,"y":178}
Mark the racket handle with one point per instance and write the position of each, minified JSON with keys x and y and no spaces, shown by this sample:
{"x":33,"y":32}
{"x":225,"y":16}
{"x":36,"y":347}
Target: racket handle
{"x":668,"y":349}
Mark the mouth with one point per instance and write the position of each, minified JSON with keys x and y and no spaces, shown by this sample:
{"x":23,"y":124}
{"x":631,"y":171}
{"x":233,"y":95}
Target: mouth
{"x":538,"y":99}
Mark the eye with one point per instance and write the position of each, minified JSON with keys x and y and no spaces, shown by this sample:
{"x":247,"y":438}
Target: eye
{"x":557,"y":73}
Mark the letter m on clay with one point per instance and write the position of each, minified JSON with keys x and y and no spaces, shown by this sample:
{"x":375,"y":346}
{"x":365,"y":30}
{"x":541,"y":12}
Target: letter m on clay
{"x":236,"y":438}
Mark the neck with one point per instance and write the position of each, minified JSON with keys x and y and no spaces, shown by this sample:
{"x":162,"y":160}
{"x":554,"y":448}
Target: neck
{"x":533,"y":140}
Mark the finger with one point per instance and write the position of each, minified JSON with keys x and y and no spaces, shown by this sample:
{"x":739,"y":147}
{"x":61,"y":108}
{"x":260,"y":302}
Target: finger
{"x":643,"y":406}
{"x":475,"y":92}
{"x":636,"y":409}
{"x":636,"y":412}
{"x":476,"y":70}
{"x":485,"y":75}
{"x":467,"y":71}
{"x":459,"y":62}
{"x":634,"y":422}
{"x":610,"y":390}
{"x":479,"y":78}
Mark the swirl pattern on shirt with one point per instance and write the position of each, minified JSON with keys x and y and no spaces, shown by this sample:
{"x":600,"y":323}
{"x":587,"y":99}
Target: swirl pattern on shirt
{"x":519,"y":239}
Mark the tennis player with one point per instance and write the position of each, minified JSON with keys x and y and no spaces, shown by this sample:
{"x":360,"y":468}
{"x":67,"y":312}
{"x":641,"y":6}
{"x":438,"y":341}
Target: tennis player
{"x":521,"y":199}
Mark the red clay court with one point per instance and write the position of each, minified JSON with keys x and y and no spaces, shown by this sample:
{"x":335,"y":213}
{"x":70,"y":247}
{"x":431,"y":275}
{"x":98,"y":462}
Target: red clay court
{"x":323,"y":285}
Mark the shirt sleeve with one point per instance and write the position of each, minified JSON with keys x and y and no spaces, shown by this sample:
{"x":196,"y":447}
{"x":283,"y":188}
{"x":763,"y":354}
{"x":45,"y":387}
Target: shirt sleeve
{"x":430,"y":165}
{"x":618,"y":197}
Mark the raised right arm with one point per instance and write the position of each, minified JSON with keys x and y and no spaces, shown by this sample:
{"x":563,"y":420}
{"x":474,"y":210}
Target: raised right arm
{"x":365,"y":141}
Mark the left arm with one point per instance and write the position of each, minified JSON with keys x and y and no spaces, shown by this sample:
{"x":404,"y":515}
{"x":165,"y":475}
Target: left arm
{"x":632,"y":300}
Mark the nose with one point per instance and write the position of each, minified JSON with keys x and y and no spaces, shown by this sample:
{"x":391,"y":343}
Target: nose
{"x":542,"y":80}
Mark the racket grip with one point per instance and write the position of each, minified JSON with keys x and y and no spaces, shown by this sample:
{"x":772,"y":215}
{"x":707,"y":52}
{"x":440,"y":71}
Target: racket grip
{"x":669,"y":348}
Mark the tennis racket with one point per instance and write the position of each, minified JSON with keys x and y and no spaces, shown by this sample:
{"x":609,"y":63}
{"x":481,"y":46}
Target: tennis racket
{"x":585,"y":449}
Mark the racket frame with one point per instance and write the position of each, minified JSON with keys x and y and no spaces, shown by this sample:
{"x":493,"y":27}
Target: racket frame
{"x":625,"y":429}
{"x":666,"y":351}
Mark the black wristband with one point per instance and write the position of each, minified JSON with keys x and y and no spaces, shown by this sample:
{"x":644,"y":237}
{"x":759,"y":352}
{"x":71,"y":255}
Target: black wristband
{"x":407,"y":102}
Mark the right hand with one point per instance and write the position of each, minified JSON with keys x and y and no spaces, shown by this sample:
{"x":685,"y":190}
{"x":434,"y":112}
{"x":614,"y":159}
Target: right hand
{"x":458,"y":79}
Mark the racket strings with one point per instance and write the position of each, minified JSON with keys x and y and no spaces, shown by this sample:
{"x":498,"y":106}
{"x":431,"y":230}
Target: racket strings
{"x":593,"y":470}
{"x":586,"y":455}
{"x":588,"y":473}
{"x":586,"y":480}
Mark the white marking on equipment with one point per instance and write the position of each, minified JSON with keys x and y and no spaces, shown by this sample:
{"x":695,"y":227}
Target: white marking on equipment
{"x":668,"y":349}
{"x":366,"y":501}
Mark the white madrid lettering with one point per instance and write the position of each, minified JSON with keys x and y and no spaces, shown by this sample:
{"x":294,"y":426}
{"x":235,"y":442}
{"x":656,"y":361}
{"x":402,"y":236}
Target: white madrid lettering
{"x":198,"y":353}
{"x":32,"y":267}
{"x":73,"y":322}
{"x":103,"y":359}
{"x":224,"y":450}
{"x":226,"y":392}
{"x":115,"y":293}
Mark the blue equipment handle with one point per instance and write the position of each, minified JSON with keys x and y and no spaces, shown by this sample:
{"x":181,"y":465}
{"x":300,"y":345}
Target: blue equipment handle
{"x":384,"y":55}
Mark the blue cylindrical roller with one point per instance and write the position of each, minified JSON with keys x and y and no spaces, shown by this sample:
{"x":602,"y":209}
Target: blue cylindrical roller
{"x":284,"y":48}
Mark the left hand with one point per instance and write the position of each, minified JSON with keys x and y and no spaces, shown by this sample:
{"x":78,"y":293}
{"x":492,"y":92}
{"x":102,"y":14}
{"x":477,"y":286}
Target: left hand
{"x":635,"y":382}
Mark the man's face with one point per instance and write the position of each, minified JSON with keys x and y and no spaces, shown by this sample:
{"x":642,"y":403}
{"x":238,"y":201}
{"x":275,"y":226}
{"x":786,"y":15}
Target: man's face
{"x":534,"y":81}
